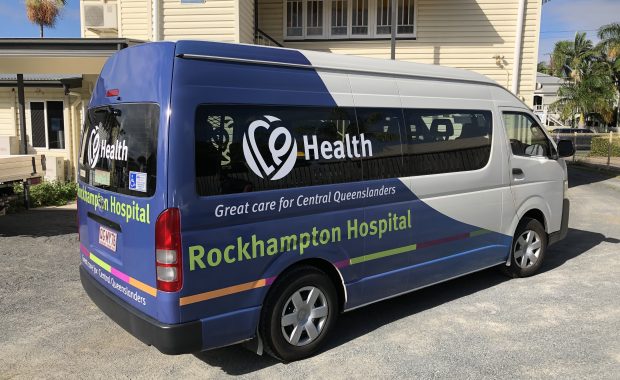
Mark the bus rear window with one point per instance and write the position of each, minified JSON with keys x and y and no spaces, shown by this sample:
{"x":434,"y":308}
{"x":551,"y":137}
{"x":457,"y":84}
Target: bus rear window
{"x":119,"y":148}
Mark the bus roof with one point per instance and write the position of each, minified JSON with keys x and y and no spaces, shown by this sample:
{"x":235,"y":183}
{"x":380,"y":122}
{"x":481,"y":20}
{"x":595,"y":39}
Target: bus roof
{"x":322,"y":61}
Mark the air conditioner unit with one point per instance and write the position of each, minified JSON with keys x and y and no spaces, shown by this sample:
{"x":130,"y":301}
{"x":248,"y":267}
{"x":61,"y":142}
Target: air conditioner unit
{"x":54,"y":168}
{"x":100,"y":16}
{"x":9,"y":145}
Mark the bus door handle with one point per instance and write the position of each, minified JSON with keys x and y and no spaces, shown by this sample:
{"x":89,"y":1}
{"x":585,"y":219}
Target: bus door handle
{"x":517,"y":172}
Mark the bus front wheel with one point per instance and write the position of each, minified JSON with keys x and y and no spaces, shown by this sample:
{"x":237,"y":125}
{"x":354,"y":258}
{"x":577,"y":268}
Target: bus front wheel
{"x":298,"y":314}
{"x":529,"y":246}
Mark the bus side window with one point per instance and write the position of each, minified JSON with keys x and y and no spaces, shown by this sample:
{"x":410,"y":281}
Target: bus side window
{"x":526,"y":136}
{"x":382,"y":127}
{"x":453,"y":141}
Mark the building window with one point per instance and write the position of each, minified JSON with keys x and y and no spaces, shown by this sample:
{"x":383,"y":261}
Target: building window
{"x":341,"y":19}
{"x":359,"y":18}
{"x":294,"y":20}
{"x":314,"y":19}
{"x":405,"y":17}
{"x":339,"y":15}
{"x":47,"y":124}
{"x":384,"y":17}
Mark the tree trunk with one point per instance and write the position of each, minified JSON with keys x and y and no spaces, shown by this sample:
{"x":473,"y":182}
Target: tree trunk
{"x":618,"y":112}
{"x":41,"y":29}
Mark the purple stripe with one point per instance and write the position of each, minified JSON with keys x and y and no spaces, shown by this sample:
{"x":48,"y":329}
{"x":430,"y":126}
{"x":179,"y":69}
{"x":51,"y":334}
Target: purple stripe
{"x":270,"y":280}
{"x":430,"y":243}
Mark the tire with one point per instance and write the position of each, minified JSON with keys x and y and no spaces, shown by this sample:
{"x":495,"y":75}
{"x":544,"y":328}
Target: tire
{"x":288,"y":301}
{"x":529,"y":246}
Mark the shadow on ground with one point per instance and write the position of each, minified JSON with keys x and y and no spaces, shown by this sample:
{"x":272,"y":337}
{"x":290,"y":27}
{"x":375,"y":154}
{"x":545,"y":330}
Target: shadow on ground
{"x":237,"y":360}
{"x":581,"y":175}
{"x":39,"y":222}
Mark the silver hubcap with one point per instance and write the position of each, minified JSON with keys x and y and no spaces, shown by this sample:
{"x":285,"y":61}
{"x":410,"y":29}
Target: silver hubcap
{"x":527,"y":249}
{"x":304,"y":316}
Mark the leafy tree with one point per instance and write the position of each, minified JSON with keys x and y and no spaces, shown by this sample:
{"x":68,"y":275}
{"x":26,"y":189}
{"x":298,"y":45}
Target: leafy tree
{"x":542,"y":67}
{"x":44,"y":12}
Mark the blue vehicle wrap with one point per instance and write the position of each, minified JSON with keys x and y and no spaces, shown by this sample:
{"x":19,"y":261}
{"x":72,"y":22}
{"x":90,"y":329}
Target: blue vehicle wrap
{"x":377,"y":234}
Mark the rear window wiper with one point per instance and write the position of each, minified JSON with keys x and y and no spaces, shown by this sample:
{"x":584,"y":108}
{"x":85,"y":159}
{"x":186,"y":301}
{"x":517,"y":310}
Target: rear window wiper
{"x":109,"y":109}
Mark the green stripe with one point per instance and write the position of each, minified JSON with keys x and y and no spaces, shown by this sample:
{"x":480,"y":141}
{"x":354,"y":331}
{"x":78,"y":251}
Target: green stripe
{"x":98,"y":261}
{"x":478,"y":232}
{"x":382,"y":254}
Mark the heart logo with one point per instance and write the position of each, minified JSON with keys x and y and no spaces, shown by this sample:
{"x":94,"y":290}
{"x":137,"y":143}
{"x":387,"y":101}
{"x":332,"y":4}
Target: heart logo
{"x":283,"y":157}
{"x":93,"y":147}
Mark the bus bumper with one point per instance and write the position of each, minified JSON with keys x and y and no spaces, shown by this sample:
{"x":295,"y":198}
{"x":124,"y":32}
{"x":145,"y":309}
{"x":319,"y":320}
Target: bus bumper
{"x":555,"y":237}
{"x":174,"y":339}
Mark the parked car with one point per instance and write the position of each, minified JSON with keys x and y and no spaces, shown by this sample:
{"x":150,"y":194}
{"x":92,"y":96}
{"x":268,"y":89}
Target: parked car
{"x":582,"y":141}
{"x":572,"y":130}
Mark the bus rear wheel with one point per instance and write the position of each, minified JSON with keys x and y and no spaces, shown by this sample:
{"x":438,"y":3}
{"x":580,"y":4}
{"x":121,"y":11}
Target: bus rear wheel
{"x":298,"y":314}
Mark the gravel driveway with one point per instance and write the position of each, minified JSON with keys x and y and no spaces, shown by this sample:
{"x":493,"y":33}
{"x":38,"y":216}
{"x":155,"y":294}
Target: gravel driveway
{"x":562,"y":323}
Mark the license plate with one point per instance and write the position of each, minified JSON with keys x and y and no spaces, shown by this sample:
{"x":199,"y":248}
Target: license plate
{"x":107,"y":238}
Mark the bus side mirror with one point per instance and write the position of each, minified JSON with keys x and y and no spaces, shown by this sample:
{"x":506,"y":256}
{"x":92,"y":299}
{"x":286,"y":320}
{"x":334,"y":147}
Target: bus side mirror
{"x":565,"y":148}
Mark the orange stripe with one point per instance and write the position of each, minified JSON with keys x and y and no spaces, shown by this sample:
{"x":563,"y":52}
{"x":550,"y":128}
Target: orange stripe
{"x":142,"y":286}
{"x":222,"y":292}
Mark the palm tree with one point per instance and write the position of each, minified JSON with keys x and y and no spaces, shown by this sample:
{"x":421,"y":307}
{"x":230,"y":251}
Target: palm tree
{"x":579,"y":54}
{"x":568,"y":56}
{"x":610,"y":53}
{"x":594,"y":92}
{"x":610,"y":38}
{"x":44,"y":12}
{"x":557,"y":64}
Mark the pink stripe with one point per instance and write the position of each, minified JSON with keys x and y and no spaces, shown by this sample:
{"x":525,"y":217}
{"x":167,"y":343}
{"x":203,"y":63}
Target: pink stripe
{"x":430,"y":243}
{"x":270,"y":280}
{"x":84,"y":250}
{"x":120,"y":275}
{"x":342,"y":264}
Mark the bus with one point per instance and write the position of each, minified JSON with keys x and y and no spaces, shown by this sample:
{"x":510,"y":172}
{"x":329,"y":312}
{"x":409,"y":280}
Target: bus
{"x":234,"y":192}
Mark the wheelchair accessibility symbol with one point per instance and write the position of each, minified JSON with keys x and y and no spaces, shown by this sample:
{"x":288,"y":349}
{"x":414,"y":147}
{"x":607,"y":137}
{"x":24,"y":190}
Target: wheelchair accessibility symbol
{"x":137,"y":181}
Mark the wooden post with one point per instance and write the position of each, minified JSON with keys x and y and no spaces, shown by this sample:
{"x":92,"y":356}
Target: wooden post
{"x":26,"y":184}
{"x":574,"y":145}
{"x":609,"y":148}
{"x":22,"y":111}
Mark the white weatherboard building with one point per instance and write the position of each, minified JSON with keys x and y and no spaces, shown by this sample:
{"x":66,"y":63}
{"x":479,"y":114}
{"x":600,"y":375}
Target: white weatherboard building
{"x":545,"y":95}
{"x":497,"y":38}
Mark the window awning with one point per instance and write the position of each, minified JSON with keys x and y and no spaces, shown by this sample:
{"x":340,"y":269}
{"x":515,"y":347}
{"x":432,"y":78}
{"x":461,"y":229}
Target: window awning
{"x":43,"y":80}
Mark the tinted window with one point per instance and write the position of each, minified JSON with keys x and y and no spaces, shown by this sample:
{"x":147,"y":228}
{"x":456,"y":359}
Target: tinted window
{"x":253,"y":148}
{"x":382,"y":126}
{"x":526,"y":136}
{"x":442,"y":141}
{"x":119,"y":148}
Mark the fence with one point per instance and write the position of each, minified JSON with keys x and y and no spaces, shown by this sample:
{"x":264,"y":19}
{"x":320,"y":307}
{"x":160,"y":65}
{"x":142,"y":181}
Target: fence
{"x":598,"y":148}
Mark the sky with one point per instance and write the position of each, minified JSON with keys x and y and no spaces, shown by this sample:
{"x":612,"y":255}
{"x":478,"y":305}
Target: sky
{"x":14,"y":23}
{"x":560,"y":20}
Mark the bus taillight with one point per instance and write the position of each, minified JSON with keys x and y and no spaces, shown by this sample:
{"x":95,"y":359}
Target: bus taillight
{"x":168,"y":258}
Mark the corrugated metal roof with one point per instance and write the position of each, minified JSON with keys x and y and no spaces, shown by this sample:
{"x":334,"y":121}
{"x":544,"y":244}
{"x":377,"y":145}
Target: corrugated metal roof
{"x":39,"y":77}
